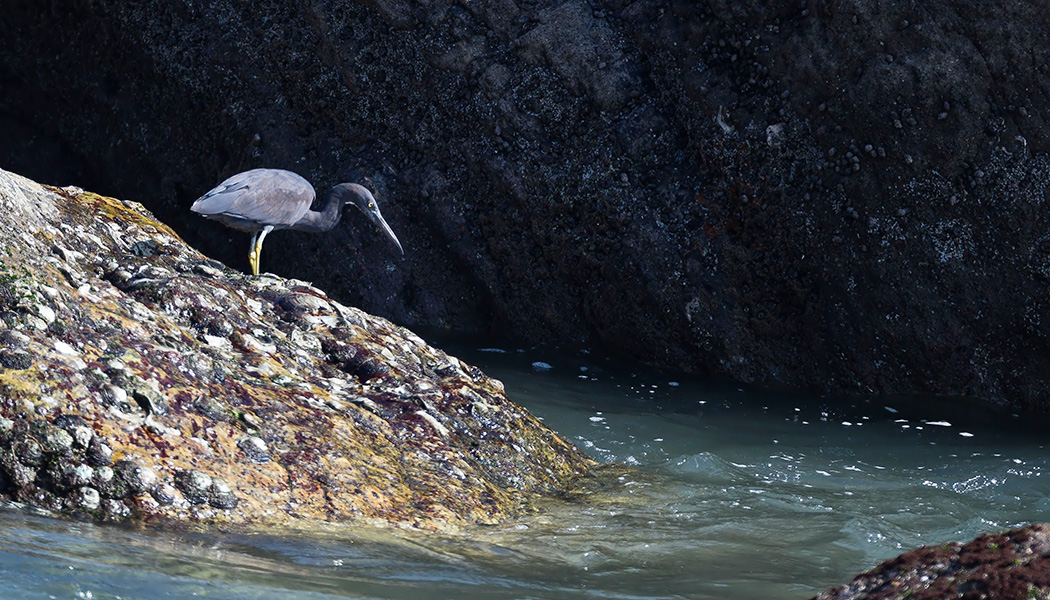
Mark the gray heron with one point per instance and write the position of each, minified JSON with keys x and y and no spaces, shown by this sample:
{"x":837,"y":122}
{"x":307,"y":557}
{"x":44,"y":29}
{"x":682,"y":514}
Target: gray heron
{"x":263,"y":200}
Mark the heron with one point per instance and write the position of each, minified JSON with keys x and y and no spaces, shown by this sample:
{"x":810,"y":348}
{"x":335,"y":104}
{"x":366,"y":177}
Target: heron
{"x":263,"y":200}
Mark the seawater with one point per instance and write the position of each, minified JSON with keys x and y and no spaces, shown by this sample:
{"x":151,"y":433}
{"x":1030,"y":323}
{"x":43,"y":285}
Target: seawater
{"x":710,"y":490}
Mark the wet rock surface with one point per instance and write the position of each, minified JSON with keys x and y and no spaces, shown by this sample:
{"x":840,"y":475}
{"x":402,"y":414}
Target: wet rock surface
{"x":846,"y":196}
{"x":133,"y":404}
{"x":1014,"y":565}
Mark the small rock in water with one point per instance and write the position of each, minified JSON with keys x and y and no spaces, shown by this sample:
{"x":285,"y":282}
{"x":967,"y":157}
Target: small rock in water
{"x":541,"y":366}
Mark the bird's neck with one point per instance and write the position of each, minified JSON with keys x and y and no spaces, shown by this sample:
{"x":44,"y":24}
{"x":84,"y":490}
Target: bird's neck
{"x":331,"y":211}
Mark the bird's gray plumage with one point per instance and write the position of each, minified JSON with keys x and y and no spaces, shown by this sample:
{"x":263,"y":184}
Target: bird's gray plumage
{"x":263,"y":200}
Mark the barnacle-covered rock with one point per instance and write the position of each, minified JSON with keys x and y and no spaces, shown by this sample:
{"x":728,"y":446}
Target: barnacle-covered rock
{"x":194,"y":485}
{"x":1012,"y":564}
{"x":254,"y":448}
{"x":142,"y":380}
{"x":87,"y":498}
{"x":15,"y":359}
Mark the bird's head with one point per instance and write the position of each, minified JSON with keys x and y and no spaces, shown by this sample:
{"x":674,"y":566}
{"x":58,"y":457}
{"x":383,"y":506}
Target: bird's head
{"x":359,"y":196}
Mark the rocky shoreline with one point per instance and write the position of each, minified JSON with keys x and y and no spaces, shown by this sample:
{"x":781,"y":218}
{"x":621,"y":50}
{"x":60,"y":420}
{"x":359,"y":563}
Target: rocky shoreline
{"x":142,"y":381}
{"x":843,"y":197}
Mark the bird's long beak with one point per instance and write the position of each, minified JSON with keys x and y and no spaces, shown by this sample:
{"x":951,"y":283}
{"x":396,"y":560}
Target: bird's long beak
{"x":378,"y":219}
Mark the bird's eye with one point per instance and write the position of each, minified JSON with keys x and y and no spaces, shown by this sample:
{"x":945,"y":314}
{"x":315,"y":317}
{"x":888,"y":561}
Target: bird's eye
{"x":371,"y":205}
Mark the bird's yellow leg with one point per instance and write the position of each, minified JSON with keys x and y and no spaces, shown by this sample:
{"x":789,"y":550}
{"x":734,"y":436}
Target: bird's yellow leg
{"x":256,"y":252}
{"x":253,"y":254}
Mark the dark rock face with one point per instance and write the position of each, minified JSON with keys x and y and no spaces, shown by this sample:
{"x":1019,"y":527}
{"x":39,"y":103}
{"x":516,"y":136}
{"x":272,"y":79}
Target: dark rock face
{"x":1011,"y":565}
{"x":844,"y":195}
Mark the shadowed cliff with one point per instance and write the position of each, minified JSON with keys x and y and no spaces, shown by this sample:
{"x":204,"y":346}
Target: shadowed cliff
{"x":843,"y":196}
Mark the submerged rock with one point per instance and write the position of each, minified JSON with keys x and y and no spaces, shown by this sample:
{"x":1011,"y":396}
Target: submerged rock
{"x":1011,"y":565}
{"x":175,"y":389}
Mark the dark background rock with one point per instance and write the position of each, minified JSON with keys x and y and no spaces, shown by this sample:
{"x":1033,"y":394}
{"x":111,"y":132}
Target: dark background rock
{"x":867,"y":214}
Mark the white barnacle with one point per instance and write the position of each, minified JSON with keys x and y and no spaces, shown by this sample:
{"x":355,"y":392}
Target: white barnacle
{"x":429,"y":418}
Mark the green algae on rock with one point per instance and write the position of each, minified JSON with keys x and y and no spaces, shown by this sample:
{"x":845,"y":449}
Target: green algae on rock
{"x":140,"y":380}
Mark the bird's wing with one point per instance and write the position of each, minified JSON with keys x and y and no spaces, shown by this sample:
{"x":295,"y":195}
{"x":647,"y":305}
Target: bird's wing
{"x":257,"y":198}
